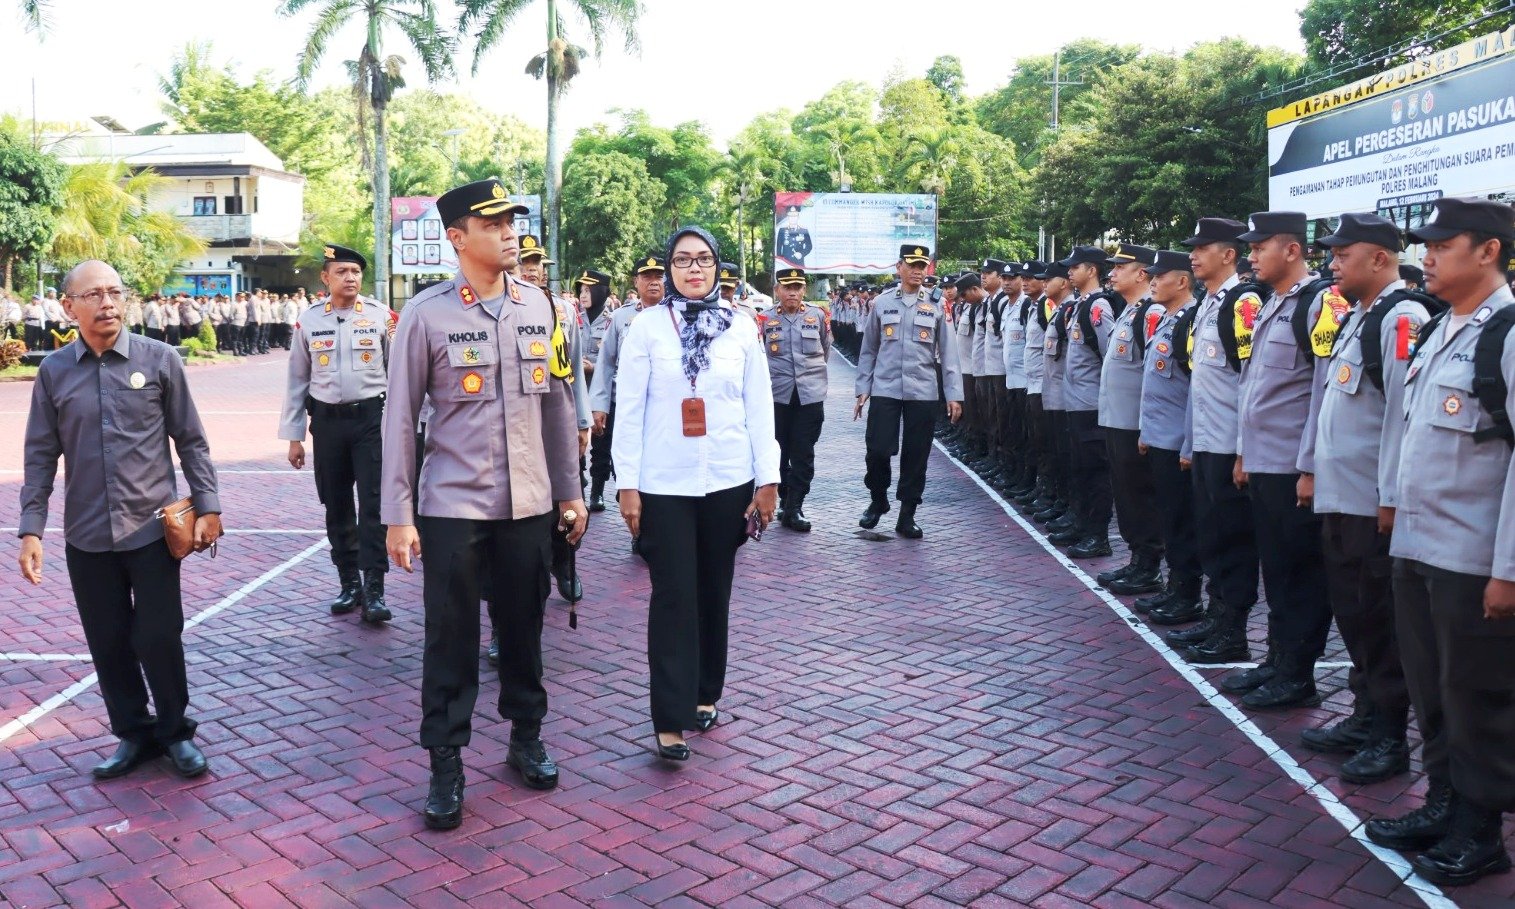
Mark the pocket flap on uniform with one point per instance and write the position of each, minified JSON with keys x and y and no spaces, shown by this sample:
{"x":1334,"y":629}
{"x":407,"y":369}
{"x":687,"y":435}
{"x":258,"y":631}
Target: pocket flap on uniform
{"x":890,"y":318}
{"x":926,"y":321}
{"x":470,"y":355}
{"x":364,"y":341}
{"x":532,"y":348}
{"x":811,"y":331}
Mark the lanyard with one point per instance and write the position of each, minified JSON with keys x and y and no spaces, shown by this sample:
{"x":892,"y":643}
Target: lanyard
{"x":678,"y":333}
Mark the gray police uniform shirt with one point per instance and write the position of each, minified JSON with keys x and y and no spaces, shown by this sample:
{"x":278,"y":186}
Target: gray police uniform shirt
{"x":967,"y":316}
{"x":981,"y":330}
{"x":1165,"y":390}
{"x":595,"y":334}
{"x":1034,"y":364}
{"x":337,"y":356}
{"x":994,"y":340}
{"x":111,"y":418}
{"x":1279,"y":387}
{"x":1120,"y":380}
{"x":1456,"y":496}
{"x":1055,"y":359}
{"x":602,"y":389}
{"x":573,"y":337}
{"x":798,"y":346}
{"x":1354,"y":439}
{"x":1213,"y":385}
{"x":501,"y":441}
{"x":905,"y":339}
{"x":1015,"y":345}
{"x":1084,"y":364}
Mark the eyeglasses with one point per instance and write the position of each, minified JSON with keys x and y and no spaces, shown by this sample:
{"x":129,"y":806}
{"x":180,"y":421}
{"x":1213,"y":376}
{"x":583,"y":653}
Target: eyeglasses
{"x":704,"y":260}
{"x":94,"y":297}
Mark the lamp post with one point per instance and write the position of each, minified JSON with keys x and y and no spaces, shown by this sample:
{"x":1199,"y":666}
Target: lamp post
{"x":457,"y":170}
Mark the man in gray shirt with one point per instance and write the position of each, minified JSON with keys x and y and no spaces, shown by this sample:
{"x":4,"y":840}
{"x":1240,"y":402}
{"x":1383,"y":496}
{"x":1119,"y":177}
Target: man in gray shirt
{"x":907,"y":364}
{"x":1088,"y":326}
{"x":797,"y":337}
{"x":109,"y":403}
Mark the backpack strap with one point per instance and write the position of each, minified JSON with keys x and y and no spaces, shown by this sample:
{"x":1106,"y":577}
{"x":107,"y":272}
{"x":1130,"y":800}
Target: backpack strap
{"x":997,"y":311}
{"x":1236,"y":319}
{"x":1085,"y":312}
{"x":1139,"y":326}
{"x":1489,"y":386}
{"x":1183,"y":339}
{"x":1372,"y":329}
{"x":1044,"y":309}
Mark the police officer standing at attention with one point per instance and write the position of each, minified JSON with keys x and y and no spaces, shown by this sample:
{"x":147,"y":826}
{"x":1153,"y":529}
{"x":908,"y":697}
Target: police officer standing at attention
{"x":1120,"y":401}
{"x":649,"y":286}
{"x":1454,"y":549}
{"x":992,"y":391}
{"x":966,"y":315}
{"x":1062,"y":520}
{"x":1088,"y":327}
{"x":798,"y":339}
{"x":1275,"y":455}
{"x":1357,"y":434}
{"x":501,"y":448}
{"x":905,"y":342}
{"x":1222,"y":511}
{"x":337,"y":375}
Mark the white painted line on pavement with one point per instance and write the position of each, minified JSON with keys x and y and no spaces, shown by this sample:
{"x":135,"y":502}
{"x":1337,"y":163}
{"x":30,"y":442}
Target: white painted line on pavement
{"x":1428,"y":893}
{"x":89,"y":681}
{"x":45,"y":657}
{"x":238,"y":531}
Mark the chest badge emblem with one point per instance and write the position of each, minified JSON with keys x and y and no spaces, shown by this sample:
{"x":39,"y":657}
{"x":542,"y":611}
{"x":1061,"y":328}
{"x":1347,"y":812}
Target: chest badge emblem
{"x":324,"y":359}
{"x":1452,"y":405}
{"x":471,"y":355}
{"x":138,"y":380}
{"x":1344,"y":375}
{"x":538,"y":349}
{"x":473,"y":383}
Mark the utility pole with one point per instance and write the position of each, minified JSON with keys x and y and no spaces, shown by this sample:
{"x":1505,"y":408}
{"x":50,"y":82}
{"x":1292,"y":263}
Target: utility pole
{"x":1057,"y":84}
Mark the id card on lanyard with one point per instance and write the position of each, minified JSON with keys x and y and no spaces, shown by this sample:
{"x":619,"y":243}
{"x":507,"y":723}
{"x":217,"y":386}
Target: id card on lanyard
{"x":691,"y":408}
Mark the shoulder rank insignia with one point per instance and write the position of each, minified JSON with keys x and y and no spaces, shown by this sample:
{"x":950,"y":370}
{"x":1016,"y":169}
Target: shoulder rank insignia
{"x":468,"y":296}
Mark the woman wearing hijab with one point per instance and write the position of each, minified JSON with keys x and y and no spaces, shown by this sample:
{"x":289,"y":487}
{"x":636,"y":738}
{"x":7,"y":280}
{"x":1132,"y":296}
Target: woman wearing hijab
{"x":695,"y":458}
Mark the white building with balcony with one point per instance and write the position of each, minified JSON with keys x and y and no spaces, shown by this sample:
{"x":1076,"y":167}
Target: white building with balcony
{"x":228,"y":188}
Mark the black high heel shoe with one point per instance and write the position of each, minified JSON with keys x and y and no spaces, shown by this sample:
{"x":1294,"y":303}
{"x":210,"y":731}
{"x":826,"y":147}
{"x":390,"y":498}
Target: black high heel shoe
{"x":678,"y":751}
{"x":704,"y":720}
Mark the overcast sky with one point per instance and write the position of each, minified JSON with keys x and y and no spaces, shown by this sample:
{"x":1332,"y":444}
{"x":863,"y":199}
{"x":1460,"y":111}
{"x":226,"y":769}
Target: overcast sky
{"x":719,"y":61}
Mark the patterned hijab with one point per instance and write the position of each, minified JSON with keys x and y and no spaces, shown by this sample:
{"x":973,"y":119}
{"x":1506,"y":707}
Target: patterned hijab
{"x":705,"y":319}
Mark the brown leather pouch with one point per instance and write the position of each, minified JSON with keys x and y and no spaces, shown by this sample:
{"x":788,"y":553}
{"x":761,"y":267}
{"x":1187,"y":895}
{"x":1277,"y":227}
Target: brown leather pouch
{"x":178,"y":527}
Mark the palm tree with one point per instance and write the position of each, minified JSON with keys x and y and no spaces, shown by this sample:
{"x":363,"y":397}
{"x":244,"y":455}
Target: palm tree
{"x":743,"y":167}
{"x":930,"y":156}
{"x":34,"y":12}
{"x":559,"y":63}
{"x":842,"y":137}
{"x":106,"y":216}
{"x":375,"y":77}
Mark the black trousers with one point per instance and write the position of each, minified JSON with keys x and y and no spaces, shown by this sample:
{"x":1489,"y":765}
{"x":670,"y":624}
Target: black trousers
{"x":969,"y":419}
{"x":1227,"y":535}
{"x":33,"y":336}
{"x":133,"y":622}
{"x":1135,"y":491}
{"x":1056,"y":427}
{"x":600,"y":466}
{"x":1038,"y":442}
{"x":1460,"y":668}
{"x":514,"y":557}
{"x":902,"y":427}
{"x":1359,"y":574}
{"x":1012,"y":434}
{"x":690,"y":545}
{"x":347,"y":447}
{"x":991,"y":391}
{"x":155,"y":333}
{"x":1293,"y":569}
{"x":798,"y":428}
{"x":248,"y":339}
{"x":1173,"y":495}
{"x":1091,"y":465}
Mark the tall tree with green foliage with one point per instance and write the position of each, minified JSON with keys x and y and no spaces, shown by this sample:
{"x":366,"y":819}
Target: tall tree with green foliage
{"x":31,"y":198}
{"x":559,"y":63}
{"x":106,"y":215}
{"x":1357,"y":36}
{"x":682,"y":158}
{"x":375,"y":76}
{"x":611,"y":205}
{"x":1021,"y":111}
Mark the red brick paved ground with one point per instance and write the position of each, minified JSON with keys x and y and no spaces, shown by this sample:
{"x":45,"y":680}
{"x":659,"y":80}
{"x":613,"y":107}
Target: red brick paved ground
{"x":959,"y":720}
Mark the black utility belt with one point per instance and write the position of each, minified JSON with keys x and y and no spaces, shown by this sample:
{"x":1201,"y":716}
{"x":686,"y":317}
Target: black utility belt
{"x":340,"y":411}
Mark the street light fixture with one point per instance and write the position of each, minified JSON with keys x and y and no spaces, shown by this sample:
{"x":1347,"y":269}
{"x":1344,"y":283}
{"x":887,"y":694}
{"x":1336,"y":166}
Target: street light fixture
{"x":457,"y":170}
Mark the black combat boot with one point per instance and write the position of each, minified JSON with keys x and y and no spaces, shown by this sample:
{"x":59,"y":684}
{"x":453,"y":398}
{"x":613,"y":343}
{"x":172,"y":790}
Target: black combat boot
{"x":597,"y":496}
{"x":1092,"y":546}
{"x":1292,"y":685}
{"x":906,"y":526}
{"x":1248,"y":679}
{"x":1226,"y":644}
{"x":374,"y":610}
{"x":1473,"y":849}
{"x":444,"y":801}
{"x":1184,"y":607}
{"x":528,"y":756}
{"x":1105,"y":577}
{"x":794,"y":516}
{"x":351,"y":596}
{"x":1145,"y":577}
{"x":1201,"y":630}
{"x":878,"y":506}
{"x":1344,"y":737}
{"x":1420,"y":829}
{"x":1381,"y":758}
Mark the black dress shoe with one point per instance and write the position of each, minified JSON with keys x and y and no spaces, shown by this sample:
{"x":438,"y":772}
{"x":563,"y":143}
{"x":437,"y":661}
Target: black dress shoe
{"x":569,"y":588}
{"x":188,"y":761}
{"x":529,"y":758}
{"x":678,"y":751}
{"x":1064,"y":537}
{"x":351,"y":596}
{"x":1377,"y":761}
{"x":128,"y":757}
{"x":444,"y":800}
{"x":906,"y":526}
{"x":877,"y":508}
{"x":1094,"y":547}
{"x":795,"y":520}
{"x":375,"y":612}
{"x":705,"y":721}
{"x":1177,"y":612}
{"x":597,"y":496}
{"x":1473,"y":849}
{"x":1420,"y":829}
{"x":493,"y":653}
{"x":1346,"y":737}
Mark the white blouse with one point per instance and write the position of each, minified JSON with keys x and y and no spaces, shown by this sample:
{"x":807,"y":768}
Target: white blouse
{"x":651,"y":452}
